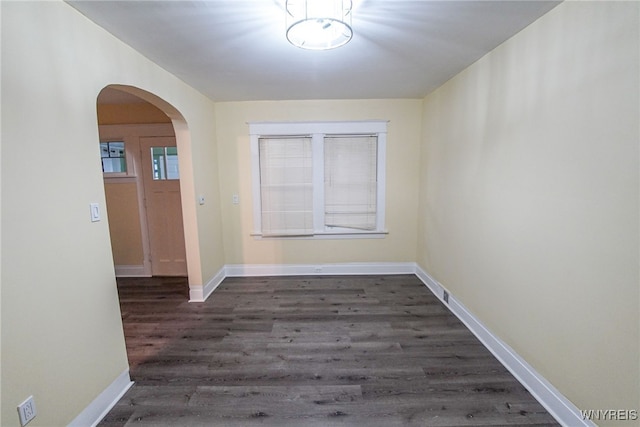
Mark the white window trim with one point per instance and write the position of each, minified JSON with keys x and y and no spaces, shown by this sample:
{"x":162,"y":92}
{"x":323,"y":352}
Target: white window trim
{"x":317,"y":130}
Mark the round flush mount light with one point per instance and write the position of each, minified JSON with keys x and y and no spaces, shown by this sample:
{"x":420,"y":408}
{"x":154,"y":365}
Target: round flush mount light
{"x":319,"y":24}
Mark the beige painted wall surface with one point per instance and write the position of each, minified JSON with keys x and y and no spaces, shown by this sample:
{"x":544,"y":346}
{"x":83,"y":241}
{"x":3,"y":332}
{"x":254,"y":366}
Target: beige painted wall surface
{"x":124,"y":223}
{"x":402,"y":173}
{"x":62,"y":337}
{"x":529,"y":198}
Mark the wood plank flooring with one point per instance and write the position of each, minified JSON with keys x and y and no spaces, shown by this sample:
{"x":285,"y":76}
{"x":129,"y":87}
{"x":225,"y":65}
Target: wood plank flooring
{"x":309,"y":351}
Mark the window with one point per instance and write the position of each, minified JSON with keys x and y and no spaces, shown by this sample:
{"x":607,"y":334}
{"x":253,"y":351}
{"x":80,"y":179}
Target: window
{"x":165,"y":163}
{"x":113,"y":157}
{"x":286,"y":185}
{"x":350,"y":182}
{"x":318,"y":178}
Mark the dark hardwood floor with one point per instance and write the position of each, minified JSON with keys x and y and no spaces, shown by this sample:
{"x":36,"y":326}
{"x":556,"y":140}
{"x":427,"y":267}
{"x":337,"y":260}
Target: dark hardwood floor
{"x":309,"y":351}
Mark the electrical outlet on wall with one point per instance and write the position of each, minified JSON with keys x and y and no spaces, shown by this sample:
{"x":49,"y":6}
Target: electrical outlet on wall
{"x":27,"y":411}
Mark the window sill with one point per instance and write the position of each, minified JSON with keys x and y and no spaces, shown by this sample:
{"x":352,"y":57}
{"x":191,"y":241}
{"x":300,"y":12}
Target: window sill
{"x":326,"y":235}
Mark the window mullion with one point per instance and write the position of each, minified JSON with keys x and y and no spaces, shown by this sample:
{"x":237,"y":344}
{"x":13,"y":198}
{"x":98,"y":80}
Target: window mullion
{"x":317,"y":144}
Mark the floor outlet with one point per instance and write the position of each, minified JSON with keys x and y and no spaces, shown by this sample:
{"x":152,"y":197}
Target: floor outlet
{"x":445,"y":296}
{"x":27,"y":411}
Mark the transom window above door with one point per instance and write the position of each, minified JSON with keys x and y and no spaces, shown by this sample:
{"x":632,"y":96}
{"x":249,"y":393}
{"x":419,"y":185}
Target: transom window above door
{"x":318,"y":179}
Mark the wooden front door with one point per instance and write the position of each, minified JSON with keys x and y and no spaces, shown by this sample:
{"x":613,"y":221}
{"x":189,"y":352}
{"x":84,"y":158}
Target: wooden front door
{"x":161,"y":177}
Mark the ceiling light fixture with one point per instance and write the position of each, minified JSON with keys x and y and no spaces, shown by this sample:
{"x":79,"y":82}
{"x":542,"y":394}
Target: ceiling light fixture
{"x":319,"y":24}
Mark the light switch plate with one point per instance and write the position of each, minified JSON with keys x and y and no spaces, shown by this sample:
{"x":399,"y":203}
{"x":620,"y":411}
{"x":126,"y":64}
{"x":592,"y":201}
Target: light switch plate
{"x":95,"y":212}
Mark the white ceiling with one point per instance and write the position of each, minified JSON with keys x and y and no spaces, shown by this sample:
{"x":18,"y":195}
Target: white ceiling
{"x":236,"y":50}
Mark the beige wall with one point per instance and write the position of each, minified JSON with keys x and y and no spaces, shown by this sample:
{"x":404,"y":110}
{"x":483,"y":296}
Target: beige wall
{"x":529,"y":197}
{"x":401,"y":196}
{"x":62,"y":337}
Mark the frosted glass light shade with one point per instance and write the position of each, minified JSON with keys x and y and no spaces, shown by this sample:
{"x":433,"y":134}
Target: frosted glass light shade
{"x":319,"y":24}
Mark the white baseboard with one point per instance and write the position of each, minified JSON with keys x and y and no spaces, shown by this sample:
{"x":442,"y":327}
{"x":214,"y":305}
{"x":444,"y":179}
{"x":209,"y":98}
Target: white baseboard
{"x":201,"y":293}
{"x":565,"y":412}
{"x":101,"y":405}
{"x":246,"y":270}
{"x":131,"y":271}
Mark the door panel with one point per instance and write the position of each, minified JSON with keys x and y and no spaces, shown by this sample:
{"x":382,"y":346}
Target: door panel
{"x":164,"y":207}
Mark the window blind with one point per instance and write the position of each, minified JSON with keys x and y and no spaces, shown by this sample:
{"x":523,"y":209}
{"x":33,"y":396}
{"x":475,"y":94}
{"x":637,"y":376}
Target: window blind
{"x":286,"y":188}
{"x":350,"y":181}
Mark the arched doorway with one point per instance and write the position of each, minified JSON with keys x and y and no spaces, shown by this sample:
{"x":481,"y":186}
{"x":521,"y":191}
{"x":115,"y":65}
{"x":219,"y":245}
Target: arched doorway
{"x":140,"y":139}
